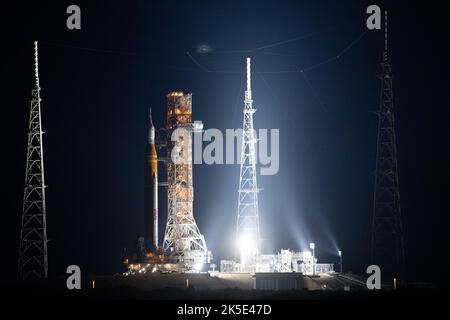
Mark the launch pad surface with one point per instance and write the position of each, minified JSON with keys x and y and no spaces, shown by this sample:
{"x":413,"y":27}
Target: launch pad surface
{"x":240,"y":281}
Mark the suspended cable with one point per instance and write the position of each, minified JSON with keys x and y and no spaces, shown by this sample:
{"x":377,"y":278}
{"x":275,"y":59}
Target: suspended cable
{"x":314,"y":92}
{"x":196,"y":62}
{"x":268,"y":86}
{"x":352,"y":44}
{"x":338,"y":56}
{"x":253,"y":51}
{"x":290,"y":40}
{"x":315,"y":66}
{"x":89,"y":49}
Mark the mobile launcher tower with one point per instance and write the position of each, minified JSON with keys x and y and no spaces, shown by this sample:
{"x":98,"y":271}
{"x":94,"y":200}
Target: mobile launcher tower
{"x":183,"y":241}
{"x":184,"y":247}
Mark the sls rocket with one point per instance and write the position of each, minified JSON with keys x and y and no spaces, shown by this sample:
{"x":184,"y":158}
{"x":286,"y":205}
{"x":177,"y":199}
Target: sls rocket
{"x":151,"y":191}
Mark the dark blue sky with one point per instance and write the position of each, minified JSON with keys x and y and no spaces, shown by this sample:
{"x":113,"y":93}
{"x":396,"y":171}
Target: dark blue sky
{"x":98,"y":83}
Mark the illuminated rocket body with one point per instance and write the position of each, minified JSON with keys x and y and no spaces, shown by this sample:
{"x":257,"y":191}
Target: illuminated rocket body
{"x":151,"y":191}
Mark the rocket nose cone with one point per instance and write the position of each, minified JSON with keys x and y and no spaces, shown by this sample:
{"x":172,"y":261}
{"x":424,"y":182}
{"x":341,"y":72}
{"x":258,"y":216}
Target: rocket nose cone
{"x":151,"y":134}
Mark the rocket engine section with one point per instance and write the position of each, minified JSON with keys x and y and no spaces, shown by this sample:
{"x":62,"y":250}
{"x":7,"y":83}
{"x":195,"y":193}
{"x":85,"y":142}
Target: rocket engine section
{"x":151,"y":192}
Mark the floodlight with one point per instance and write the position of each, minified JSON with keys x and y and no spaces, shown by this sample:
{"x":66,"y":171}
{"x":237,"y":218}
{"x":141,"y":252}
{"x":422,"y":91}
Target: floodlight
{"x":246,"y":243}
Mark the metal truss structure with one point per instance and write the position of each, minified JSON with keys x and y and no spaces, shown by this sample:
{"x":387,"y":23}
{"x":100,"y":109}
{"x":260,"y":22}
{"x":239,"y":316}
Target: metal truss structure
{"x":32,"y":260}
{"x":247,"y":233}
{"x":182,"y":238}
{"x":387,"y":248}
{"x":285,"y":261}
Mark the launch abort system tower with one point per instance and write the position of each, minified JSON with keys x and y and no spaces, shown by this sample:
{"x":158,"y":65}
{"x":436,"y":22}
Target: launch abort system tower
{"x":182,"y":239}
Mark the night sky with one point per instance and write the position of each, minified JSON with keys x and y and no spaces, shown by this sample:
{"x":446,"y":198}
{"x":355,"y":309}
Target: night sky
{"x":98,"y":84}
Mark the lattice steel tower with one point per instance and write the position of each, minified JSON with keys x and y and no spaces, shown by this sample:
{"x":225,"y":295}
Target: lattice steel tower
{"x":247,"y":233}
{"x":182,"y":238}
{"x":32,"y":262}
{"x":387,"y":232}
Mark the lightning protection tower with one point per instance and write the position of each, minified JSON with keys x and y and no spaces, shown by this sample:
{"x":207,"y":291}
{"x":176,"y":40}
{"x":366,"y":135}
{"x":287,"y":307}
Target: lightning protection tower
{"x":247,"y":231}
{"x":32,"y":262}
{"x":387,"y":232}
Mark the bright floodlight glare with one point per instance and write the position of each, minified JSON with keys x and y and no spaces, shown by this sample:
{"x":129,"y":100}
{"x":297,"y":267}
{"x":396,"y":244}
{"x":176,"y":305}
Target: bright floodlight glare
{"x":246,"y":243}
{"x":312,"y":245}
{"x":339,"y":253}
{"x":198,"y":266}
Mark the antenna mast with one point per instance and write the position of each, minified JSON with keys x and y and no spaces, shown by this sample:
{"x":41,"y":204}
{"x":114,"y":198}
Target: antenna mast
{"x":247,"y":231}
{"x":32,"y":261}
{"x":387,"y":232}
